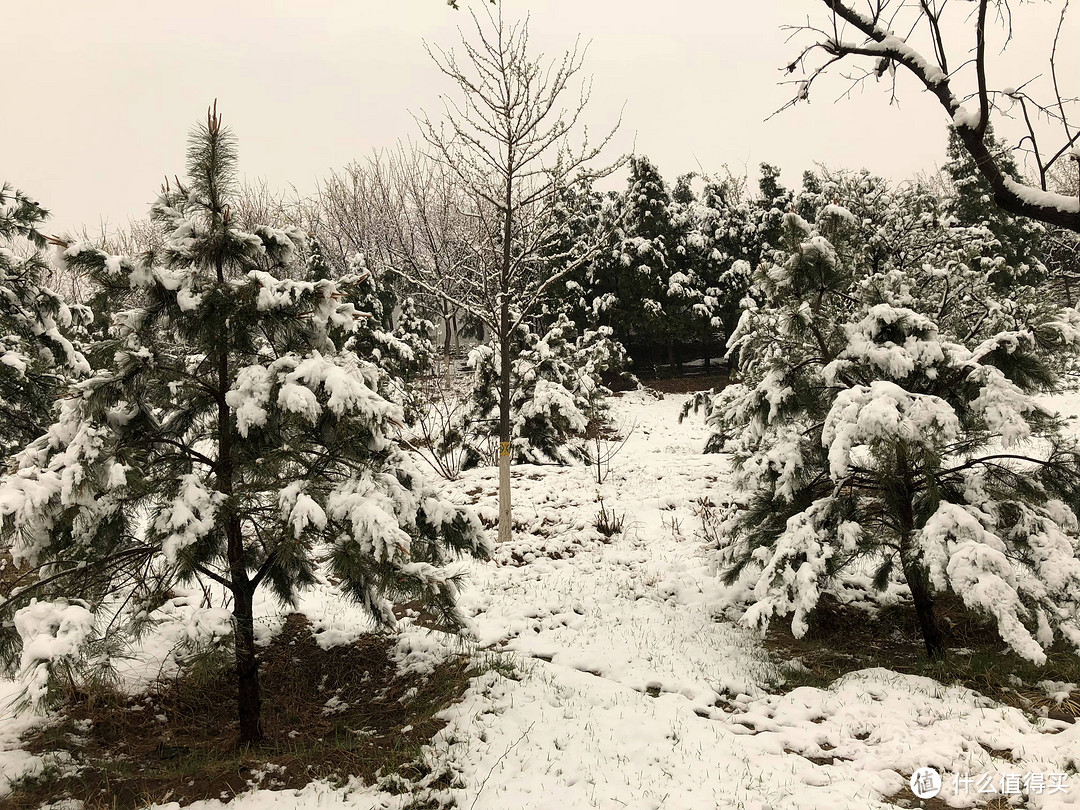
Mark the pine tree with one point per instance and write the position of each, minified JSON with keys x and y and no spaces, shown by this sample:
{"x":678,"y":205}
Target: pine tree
{"x":692,"y":304}
{"x":402,"y":353}
{"x":1016,"y":239}
{"x":643,"y":286}
{"x":227,"y":439}
{"x":375,"y":337}
{"x":727,"y":243}
{"x":812,"y":197}
{"x":413,"y":332}
{"x":586,"y":294}
{"x":39,"y":351}
{"x":583,"y":218}
{"x":773,"y":201}
{"x":556,"y":392}
{"x":887,"y":412}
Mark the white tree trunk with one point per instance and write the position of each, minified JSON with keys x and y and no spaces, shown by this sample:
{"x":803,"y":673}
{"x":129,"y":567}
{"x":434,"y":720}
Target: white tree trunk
{"x":504,"y":496}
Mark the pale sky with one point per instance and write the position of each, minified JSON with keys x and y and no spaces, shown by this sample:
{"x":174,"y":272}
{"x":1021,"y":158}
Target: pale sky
{"x":99,"y":96}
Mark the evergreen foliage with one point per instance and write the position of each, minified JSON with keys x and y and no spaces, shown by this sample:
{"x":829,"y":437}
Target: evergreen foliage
{"x":402,"y":352}
{"x":231,"y":437}
{"x":40,"y":350}
{"x":556,"y":394}
{"x":887,"y":417}
{"x":676,"y":265}
{"x":1016,"y":239}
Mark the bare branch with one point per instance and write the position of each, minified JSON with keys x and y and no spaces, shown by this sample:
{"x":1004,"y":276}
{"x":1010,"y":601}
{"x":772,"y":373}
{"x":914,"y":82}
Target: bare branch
{"x":886,"y":49}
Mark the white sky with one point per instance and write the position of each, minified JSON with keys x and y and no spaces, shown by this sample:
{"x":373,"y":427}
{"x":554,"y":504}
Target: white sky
{"x":100,"y":96}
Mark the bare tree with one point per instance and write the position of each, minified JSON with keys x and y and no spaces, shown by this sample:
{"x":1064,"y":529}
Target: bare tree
{"x":507,"y":138}
{"x":946,"y":49}
{"x":346,"y":215}
{"x":427,"y":230}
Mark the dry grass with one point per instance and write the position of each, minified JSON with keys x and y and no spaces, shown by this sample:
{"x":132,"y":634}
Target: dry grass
{"x":130,"y":758}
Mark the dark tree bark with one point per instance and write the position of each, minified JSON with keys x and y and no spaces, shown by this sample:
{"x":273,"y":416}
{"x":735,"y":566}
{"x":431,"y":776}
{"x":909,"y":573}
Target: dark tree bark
{"x":249,"y":693}
{"x":249,"y":698}
{"x":914,"y":572}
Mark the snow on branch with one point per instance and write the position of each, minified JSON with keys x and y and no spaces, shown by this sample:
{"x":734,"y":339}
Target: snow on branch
{"x":847,"y":32}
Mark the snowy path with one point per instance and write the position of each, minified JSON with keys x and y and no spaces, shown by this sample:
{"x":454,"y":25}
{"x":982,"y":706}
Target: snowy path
{"x":623,"y":660}
{"x":620,"y":662}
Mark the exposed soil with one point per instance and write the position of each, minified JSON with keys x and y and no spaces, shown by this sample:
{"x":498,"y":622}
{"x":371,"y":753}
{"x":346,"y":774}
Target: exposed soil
{"x":335,"y":713}
{"x":687,"y":384}
{"x":843,"y":639}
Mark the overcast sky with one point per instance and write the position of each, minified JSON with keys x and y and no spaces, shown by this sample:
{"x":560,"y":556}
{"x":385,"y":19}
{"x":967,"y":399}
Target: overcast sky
{"x":99,"y":96}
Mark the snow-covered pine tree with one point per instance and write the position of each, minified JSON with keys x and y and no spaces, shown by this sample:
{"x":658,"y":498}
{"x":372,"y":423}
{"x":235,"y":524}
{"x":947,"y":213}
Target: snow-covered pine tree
{"x":408,"y":355}
{"x":556,"y":395}
{"x":414,"y":332}
{"x":642,"y":284}
{"x":772,"y":202}
{"x":318,"y":266}
{"x":226,"y":439}
{"x":401,"y":353}
{"x":39,"y":351}
{"x":691,"y":303}
{"x":699,"y":257}
{"x":724,"y":244}
{"x":583,"y":218}
{"x":887,"y":414}
{"x":589,"y":296}
{"x":1016,"y":239}
{"x":811,"y":198}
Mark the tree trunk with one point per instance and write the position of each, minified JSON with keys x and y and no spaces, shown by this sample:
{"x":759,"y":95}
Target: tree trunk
{"x":914,"y":572}
{"x":249,"y":701}
{"x":447,"y":338}
{"x":505,"y":515}
{"x":924,"y":608}
{"x":249,"y":695}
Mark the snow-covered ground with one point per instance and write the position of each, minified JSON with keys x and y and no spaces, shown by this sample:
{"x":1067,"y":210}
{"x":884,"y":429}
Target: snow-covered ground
{"x":621,"y":661}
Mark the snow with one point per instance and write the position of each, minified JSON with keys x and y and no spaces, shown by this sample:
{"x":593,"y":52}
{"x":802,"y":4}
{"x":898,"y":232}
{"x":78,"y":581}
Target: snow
{"x":894,"y":360}
{"x":963,"y":117}
{"x":886,"y":722}
{"x":1045,"y":199}
{"x":50,"y":632}
{"x":838,"y":212}
{"x":882,"y":413}
{"x":188,"y":517}
{"x":299,"y":509}
{"x":207,"y":624}
{"x":249,"y":397}
{"x":552,"y":398}
{"x":632,"y":688}
{"x":14,"y":762}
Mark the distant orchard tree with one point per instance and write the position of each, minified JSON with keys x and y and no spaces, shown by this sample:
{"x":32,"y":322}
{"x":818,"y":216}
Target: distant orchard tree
{"x":508,"y":136}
